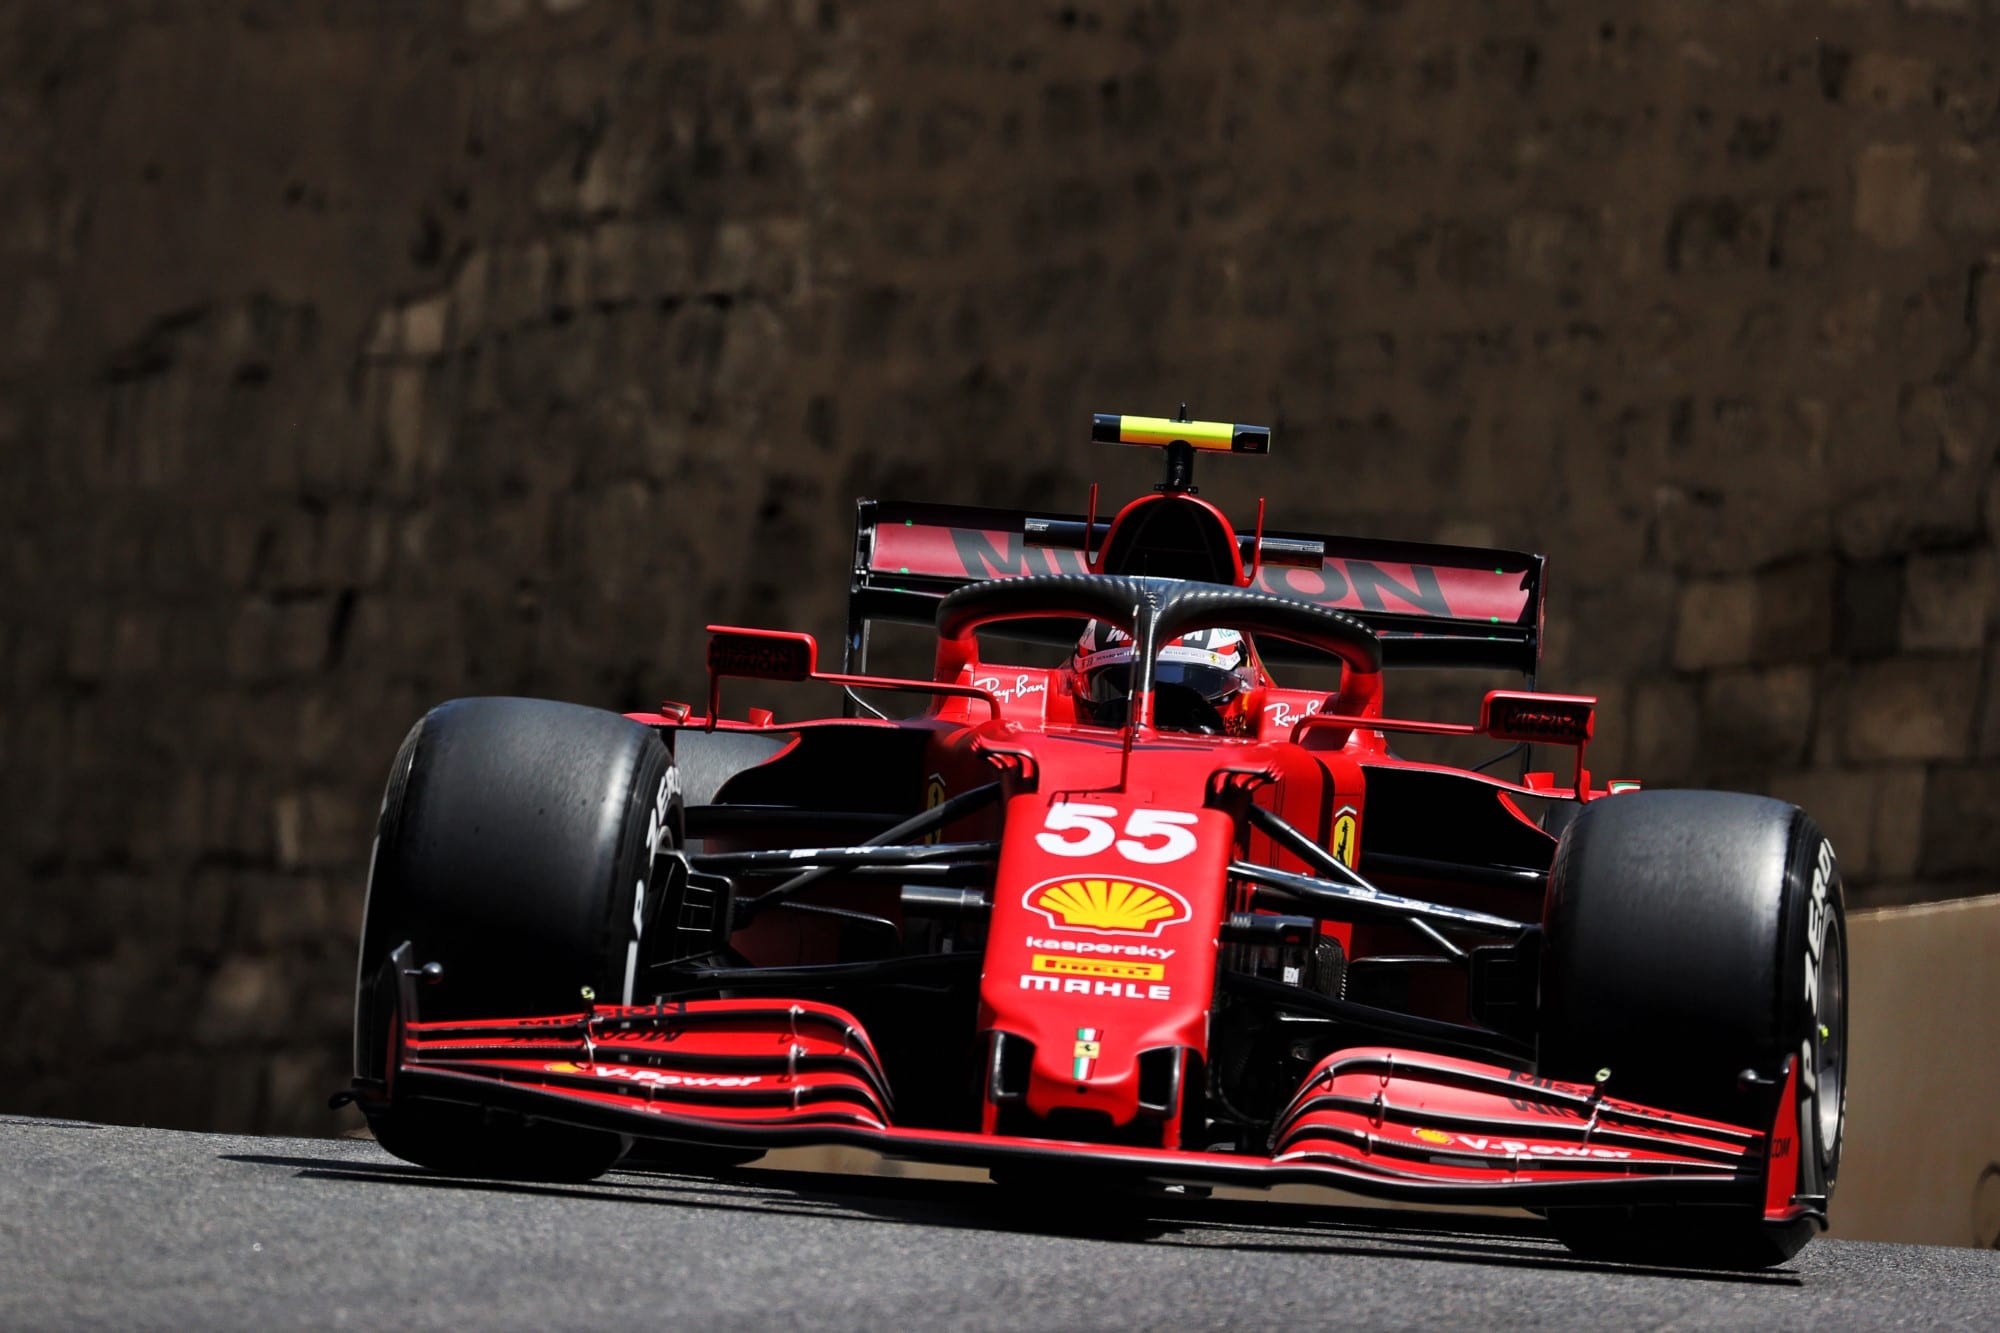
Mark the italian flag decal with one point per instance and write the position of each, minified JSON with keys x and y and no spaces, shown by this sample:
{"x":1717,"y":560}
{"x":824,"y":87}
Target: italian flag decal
{"x":1088,"y":1048}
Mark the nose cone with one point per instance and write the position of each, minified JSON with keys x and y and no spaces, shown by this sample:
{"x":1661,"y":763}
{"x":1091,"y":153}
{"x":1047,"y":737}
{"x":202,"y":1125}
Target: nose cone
{"x":1096,"y":956}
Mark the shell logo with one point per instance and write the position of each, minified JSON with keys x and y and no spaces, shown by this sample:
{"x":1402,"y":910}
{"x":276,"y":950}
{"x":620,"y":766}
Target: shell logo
{"x":1107,"y":906}
{"x":1436,"y":1136}
{"x":563,"y":1067}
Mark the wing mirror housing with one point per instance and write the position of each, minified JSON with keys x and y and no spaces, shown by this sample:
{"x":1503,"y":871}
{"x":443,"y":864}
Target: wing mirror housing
{"x":761,"y":654}
{"x":1538,"y":719}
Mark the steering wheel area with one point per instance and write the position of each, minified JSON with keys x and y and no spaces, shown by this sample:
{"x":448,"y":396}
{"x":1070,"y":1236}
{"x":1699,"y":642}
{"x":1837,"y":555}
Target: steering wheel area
{"x":1153,"y":611}
{"x":1175,"y":708}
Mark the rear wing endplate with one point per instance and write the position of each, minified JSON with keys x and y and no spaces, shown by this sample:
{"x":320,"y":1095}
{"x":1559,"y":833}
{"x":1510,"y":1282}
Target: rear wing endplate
{"x":1433,"y":605}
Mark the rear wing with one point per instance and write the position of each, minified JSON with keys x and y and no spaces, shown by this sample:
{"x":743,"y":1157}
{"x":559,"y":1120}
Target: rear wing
{"x":1433,"y":605}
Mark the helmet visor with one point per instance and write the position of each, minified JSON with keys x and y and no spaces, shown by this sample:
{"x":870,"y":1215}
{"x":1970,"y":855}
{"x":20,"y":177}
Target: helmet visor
{"x":1212,"y":683}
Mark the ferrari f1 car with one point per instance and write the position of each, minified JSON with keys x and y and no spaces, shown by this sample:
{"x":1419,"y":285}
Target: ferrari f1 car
{"x":1147,"y":919}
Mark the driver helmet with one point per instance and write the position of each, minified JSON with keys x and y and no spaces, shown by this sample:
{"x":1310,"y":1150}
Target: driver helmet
{"x":1216,"y":664}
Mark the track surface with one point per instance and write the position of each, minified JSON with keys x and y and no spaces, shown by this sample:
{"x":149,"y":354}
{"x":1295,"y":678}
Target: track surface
{"x":130,"y":1228}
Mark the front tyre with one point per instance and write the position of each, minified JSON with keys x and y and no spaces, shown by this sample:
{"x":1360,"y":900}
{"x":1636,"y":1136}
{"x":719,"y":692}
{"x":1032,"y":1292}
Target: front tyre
{"x":523,"y":847}
{"x":1690,"y":937}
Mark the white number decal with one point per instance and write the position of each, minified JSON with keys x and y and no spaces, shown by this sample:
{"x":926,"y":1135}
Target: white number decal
{"x":1170,"y":826}
{"x":1153,"y":837}
{"x":1085,"y":819}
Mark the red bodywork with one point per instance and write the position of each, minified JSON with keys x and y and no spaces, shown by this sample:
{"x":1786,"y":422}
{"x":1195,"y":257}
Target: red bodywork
{"x":1104,"y":938}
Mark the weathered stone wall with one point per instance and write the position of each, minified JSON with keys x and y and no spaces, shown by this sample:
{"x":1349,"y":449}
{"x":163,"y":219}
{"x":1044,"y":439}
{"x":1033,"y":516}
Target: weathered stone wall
{"x":356,"y":356}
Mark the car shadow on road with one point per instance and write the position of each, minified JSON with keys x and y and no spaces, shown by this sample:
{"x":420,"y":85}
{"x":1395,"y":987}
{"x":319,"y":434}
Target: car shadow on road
{"x":1214,"y":1224}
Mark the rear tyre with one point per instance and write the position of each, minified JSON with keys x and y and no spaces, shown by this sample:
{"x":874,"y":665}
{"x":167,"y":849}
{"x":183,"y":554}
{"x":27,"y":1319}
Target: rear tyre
{"x":1691,"y":936}
{"x":520,"y":847}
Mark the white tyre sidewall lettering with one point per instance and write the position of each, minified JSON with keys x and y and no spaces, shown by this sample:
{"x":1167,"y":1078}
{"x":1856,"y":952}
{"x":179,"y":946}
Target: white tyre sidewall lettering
{"x":659,"y":825}
{"x":1819,"y":922}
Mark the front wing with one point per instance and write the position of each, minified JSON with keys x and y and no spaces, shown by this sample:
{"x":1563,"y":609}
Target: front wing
{"x":1387,"y":1123}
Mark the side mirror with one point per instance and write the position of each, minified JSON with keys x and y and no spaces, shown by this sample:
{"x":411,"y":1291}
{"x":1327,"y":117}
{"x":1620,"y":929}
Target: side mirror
{"x":761,"y":654}
{"x":1538,"y":719}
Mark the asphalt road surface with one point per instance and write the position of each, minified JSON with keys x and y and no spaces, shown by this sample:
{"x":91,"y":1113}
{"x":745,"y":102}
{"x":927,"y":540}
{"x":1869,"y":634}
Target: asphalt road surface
{"x":134,"y":1228}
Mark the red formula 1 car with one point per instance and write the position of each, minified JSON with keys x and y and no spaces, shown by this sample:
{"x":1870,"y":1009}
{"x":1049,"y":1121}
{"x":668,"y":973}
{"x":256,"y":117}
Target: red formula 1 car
{"x":1137,"y":916}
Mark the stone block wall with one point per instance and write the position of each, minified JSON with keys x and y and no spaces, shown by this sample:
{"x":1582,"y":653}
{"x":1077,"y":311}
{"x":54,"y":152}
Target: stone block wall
{"x":358,"y":356}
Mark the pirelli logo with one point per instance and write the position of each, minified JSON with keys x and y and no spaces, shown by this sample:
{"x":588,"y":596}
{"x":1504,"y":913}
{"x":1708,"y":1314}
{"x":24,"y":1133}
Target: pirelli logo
{"x":1115,"y":969}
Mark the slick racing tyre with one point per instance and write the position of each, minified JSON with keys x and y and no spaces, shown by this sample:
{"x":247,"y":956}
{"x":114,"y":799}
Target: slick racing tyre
{"x":521,"y":847}
{"x":1691,"y":938}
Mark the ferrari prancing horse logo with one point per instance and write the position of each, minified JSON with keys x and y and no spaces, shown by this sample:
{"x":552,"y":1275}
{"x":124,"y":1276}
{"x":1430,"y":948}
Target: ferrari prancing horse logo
{"x":1343,"y":836}
{"x":934,"y":792}
{"x":1088,"y":1049}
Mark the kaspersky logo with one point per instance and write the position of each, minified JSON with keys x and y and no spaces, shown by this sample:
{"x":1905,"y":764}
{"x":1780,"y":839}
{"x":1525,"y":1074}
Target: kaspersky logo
{"x":1107,"y":906}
